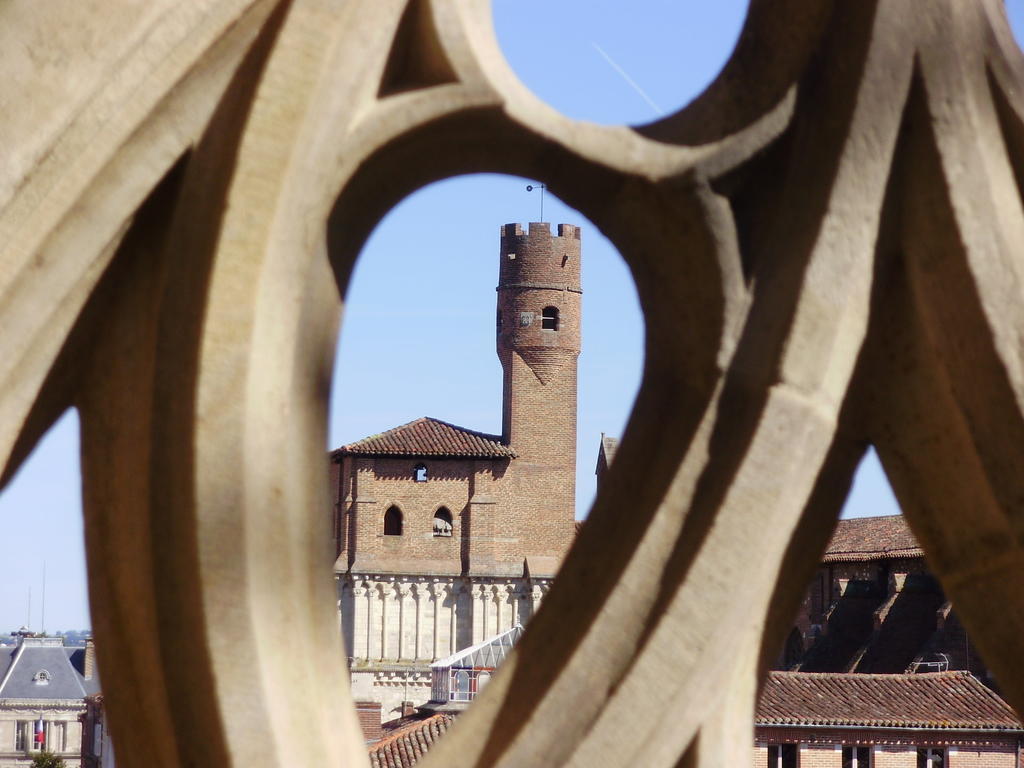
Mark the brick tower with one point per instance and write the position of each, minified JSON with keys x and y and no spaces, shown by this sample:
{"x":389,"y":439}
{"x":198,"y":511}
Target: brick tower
{"x":538,"y":342}
{"x":446,"y":536}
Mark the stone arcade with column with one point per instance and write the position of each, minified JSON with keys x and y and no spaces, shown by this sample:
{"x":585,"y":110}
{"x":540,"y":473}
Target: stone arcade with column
{"x":446,"y":536}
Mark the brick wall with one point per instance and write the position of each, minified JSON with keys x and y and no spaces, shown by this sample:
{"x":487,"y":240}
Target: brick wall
{"x":369,"y":714}
{"x":417,"y":596}
{"x":538,"y":270}
{"x":890,"y":749}
{"x":504,"y":511}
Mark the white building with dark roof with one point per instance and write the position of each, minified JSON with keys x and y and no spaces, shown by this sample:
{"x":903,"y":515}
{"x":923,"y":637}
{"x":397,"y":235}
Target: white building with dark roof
{"x":43,"y":686}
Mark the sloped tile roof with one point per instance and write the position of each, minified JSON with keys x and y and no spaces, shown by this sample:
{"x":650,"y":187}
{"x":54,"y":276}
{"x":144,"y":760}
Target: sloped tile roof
{"x":939,"y":700}
{"x":409,"y":739}
{"x":429,"y":437}
{"x":20,"y":666}
{"x":872,"y":538}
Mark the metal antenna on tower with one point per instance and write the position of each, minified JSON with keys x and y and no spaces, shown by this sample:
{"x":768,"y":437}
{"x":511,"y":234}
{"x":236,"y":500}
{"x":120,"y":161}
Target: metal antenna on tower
{"x":541,"y":187}
{"x":42,"y":615}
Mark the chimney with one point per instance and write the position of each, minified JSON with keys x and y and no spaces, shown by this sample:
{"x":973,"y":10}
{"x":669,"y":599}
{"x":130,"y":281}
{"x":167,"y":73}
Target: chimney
{"x":408,"y":708}
{"x":89,"y":665}
{"x":369,"y":715}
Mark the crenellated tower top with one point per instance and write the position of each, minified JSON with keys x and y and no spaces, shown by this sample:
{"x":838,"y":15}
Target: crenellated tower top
{"x":538,"y":342}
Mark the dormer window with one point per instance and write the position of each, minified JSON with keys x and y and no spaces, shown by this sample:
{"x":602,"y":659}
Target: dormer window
{"x":42,"y":677}
{"x":549,"y":319}
{"x":419,"y":473}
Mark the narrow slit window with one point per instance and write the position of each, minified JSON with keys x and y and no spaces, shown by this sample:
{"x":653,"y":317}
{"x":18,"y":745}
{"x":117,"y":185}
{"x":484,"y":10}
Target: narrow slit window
{"x":419,"y":473}
{"x":549,"y":319}
{"x":393,"y":522}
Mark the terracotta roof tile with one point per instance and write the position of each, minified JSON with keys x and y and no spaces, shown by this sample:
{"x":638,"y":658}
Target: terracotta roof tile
{"x":872,"y":538}
{"x":940,"y":700}
{"x":429,"y":437}
{"x":408,"y":739}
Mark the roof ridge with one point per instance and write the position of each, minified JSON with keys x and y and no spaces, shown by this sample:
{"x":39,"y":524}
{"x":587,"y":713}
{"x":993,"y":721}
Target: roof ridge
{"x":428,"y":436}
{"x":869,"y":517}
{"x":408,"y":728}
{"x":952,"y":699}
{"x":863,"y":675}
{"x":478,"y":433}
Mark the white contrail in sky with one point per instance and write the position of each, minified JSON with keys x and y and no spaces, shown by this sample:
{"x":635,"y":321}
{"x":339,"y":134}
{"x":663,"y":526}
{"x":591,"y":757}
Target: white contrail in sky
{"x":632,"y":83}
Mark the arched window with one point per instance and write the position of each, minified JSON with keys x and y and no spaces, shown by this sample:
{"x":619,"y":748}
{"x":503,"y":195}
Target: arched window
{"x":549,"y":319}
{"x":442,"y":522}
{"x":393,"y":522}
{"x":419,"y":473}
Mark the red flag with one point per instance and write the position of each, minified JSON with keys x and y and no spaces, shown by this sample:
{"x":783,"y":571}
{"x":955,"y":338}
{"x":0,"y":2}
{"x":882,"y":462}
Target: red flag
{"x":40,"y":731}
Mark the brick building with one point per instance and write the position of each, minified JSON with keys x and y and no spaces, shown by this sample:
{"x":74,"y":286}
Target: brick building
{"x":445,"y":535}
{"x":874,"y":607}
{"x":928,"y":720}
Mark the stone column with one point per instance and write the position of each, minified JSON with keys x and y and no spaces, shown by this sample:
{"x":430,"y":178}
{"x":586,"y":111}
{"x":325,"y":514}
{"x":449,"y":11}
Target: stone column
{"x":476,"y":597}
{"x":501,"y":594}
{"x":421,"y":589}
{"x":535,"y":596}
{"x":437,"y":593}
{"x":360,"y":618}
{"x":385,"y":590}
{"x":404,"y":592}
{"x":516,"y":597}
{"x":453,"y":638}
{"x":371,"y":598}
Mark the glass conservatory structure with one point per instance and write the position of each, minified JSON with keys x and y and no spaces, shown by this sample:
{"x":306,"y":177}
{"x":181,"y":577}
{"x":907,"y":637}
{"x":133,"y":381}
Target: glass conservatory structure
{"x":458,"y":678}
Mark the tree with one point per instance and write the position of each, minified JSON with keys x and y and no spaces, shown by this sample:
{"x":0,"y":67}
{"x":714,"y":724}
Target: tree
{"x":48,"y":760}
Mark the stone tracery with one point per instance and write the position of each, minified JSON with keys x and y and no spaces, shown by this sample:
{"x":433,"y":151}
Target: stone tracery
{"x":826,"y":245}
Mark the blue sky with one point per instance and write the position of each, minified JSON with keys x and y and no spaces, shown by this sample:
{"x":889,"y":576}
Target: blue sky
{"x":423,"y":291}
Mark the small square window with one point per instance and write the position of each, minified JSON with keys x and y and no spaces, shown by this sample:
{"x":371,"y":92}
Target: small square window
{"x":857,"y":757}
{"x":782,"y":756}
{"x":549,"y":319}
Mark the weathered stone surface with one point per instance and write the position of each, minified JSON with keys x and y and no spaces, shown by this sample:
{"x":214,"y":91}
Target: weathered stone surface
{"x":827,"y":246}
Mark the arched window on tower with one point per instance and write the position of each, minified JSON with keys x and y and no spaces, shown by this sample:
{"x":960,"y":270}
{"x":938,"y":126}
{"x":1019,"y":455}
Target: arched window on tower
{"x":443,"y":522}
{"x":419,"y":473}
{"x":393,"y":522}
{"x":549,"y":319}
